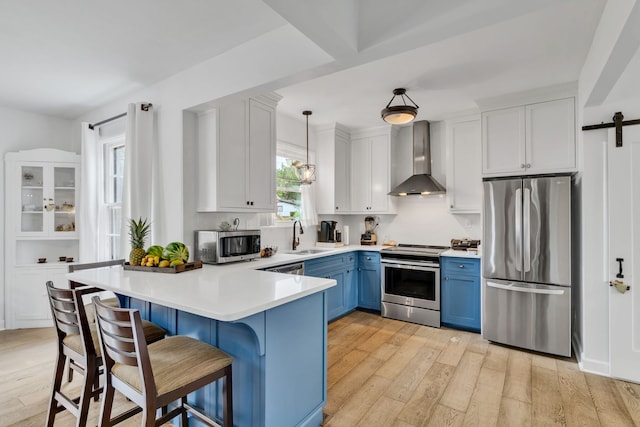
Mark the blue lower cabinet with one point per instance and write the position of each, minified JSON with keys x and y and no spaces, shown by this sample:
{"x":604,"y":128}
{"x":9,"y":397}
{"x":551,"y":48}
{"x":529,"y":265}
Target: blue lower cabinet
{"x":341,"y":298}
{"x":460,"y":293}
{"x":279,"y":367}
{"x":369,"y":291}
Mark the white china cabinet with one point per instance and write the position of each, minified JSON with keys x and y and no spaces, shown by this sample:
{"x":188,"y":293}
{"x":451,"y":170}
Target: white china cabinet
{"x":40,"y":228}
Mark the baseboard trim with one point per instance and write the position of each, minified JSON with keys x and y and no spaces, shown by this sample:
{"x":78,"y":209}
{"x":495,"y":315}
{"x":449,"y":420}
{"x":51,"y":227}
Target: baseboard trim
{"x":597,"y":367}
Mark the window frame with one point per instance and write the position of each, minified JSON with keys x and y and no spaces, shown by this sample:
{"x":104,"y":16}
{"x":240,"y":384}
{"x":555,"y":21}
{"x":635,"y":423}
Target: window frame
{"x":107,"y":203}
{"x":290,"y":151}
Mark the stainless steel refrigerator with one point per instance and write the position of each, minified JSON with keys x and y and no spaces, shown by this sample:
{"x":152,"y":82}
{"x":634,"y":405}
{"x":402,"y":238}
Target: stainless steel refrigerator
{"x":526,"y":262}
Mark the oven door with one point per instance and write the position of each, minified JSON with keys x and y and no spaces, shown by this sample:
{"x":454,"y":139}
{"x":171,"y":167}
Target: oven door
{"x":411,"y":284}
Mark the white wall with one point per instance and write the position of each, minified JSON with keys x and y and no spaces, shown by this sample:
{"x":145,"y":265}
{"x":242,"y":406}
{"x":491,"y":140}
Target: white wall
{"x":278,"y":55}
{"x":25,"y":131}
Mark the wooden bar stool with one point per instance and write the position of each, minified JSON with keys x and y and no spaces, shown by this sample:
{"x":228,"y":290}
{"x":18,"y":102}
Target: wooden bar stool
{"x":155,"y":375}
{"x":88,"y":308}
{"x":78,"y":341}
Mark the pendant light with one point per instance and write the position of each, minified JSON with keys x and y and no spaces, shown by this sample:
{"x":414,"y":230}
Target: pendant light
{"x":307,"y":172}
{"x":399,"y":114}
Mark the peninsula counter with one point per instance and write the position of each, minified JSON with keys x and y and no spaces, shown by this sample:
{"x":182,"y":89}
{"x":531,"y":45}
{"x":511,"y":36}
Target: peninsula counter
{"x":274,"y":325}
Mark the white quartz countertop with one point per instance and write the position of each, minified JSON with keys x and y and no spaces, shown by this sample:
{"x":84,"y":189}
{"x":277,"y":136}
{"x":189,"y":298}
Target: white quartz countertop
{"x":461,"y":254}
{"x":225,"y":294}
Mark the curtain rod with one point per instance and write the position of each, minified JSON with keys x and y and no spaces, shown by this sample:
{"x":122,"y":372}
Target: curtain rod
{"x":110,"y":119}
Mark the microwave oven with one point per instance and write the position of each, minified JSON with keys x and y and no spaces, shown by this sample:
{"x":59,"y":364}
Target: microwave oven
{"x":219,"y":247}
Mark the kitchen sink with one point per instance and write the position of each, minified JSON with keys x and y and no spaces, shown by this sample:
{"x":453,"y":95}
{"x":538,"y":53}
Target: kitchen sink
{"x":306,"y":251}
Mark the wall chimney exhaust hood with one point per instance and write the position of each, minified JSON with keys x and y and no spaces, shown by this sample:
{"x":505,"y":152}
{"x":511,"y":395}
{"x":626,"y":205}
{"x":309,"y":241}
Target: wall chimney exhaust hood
{"x":421,"y":182}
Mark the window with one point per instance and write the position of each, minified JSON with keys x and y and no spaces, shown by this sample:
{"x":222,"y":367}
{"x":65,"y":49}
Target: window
{"x":288,"y":191}
{"x":114,"y":169}
{"x":112,"y":143}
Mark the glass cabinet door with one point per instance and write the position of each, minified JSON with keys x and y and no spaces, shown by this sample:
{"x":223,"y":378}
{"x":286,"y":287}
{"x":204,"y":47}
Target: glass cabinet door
{"x":32,"y":199}
{"x":64,"y":199}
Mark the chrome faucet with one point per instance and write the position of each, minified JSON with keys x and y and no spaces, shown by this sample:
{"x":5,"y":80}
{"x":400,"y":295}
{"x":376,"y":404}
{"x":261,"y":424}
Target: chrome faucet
{"x":296,"y":241}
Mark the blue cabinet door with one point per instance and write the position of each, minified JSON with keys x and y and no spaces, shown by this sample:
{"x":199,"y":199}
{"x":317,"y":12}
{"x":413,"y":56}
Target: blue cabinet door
{"x":369,"y":292}
{"x":460,"y":293}
{"x":341,"y":298}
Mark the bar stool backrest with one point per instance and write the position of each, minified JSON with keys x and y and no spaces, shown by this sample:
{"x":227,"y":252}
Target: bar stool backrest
{"x":123,"y":341}
{"x":69,"y":315}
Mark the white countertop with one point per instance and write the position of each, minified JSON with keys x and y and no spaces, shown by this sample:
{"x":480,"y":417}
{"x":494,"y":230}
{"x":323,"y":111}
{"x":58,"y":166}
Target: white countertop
{"x":225,"y":294}
{"x":461,"y":254}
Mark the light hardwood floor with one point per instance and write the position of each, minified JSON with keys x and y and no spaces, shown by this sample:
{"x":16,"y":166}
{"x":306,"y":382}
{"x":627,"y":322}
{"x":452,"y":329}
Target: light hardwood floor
{"x":384,"y":372}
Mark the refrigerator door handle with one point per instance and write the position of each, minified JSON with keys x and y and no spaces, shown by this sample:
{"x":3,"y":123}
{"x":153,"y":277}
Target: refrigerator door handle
{"x":526,"y":232}
{"x":518,"y":222}
{"x":512,"y":287}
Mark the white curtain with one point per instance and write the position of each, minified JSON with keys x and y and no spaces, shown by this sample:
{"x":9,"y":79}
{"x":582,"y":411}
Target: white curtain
{"x":309,"y":214}
{"x":140,"y":171}
{"x":88,"y":197}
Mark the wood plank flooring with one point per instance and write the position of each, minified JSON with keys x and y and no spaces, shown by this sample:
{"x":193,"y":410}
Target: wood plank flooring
{"x":388,"y":373}
{"x":384,"y":372}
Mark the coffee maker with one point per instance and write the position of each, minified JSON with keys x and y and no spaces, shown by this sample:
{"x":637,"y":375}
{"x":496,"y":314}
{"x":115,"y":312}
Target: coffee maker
{"x":369,"y":237}
{"x":327,"y":231}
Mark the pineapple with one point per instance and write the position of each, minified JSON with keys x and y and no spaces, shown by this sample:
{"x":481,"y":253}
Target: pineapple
{"x":138,"y":232}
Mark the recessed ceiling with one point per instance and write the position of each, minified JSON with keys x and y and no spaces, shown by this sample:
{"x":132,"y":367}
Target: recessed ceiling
{"x":67,"y":57}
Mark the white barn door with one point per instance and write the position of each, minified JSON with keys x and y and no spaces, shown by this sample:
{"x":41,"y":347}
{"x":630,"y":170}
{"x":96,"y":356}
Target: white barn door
{"x":623,"y":187}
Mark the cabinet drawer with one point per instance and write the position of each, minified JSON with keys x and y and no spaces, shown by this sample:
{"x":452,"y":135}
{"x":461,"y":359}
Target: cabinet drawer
{"x":457,"y":266}
{"x":331,"y":263}
{"x":369,"y":260}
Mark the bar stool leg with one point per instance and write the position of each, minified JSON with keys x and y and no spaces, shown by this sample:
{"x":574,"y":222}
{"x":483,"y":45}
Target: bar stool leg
{"x":55,"y":388}
{"x":87,"y":391}
{"x":107,"y":403}
{"x":227,"y":411}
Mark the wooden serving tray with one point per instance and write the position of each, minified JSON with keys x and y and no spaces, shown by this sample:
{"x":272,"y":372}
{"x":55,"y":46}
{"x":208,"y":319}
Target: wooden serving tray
{"x":175,"y":269}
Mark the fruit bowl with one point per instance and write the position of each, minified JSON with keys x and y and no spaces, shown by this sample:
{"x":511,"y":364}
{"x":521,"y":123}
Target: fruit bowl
{"x":268,"y":251}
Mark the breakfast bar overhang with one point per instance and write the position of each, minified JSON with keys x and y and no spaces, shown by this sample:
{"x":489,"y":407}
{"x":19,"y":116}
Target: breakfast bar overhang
{"x":274,"y":325}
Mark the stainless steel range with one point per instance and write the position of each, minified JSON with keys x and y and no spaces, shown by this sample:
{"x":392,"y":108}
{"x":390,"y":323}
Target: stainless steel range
{"x":411,"y":283}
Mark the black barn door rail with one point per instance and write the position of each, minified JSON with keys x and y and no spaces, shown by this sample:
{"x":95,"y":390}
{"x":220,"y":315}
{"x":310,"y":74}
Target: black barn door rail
{"x":617,"y":123}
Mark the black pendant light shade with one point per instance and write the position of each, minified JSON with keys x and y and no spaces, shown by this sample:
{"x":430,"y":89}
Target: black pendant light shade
{"x":306,"y":173}
{"x":401,"y":113}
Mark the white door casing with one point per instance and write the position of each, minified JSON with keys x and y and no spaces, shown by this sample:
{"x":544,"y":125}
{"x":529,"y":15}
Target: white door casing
{"x":623,"y":188}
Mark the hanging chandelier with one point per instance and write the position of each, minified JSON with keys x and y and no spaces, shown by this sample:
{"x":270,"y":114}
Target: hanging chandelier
{"x":402,"y":113}
{"x":306,"y":173}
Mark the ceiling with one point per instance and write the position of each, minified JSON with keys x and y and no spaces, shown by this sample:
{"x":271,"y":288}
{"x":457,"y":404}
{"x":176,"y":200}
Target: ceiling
{"x":67,"y":57}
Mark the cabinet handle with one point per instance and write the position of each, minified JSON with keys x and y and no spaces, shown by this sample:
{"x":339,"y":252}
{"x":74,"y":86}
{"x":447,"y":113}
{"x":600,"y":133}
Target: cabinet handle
{"x":337,"y":208}
{"x":521,"y":165}
{"x":327,"y":277}
{"x":368,"y":258}
{"x":446,"y":277}
{"x":528,"y":165}
{"x":247,"y":203}
{"x":251,"y":203}
{"x":461,"y":266}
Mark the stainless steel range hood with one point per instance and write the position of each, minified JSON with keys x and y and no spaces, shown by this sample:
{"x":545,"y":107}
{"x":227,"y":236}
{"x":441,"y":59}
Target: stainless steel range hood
{"x":421,"y":182}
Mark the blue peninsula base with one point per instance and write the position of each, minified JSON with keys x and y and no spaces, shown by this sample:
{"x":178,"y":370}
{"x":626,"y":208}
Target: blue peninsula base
{"x":279,"y":360}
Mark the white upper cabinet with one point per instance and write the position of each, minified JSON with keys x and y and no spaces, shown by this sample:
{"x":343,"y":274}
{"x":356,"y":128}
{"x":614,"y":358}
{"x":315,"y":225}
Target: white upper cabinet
{"x":370,"y":172}
{"x":530,"y":139}
{"x":464,"y":179}
{"x":332,"y":182}
{"x":236,"y":157}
